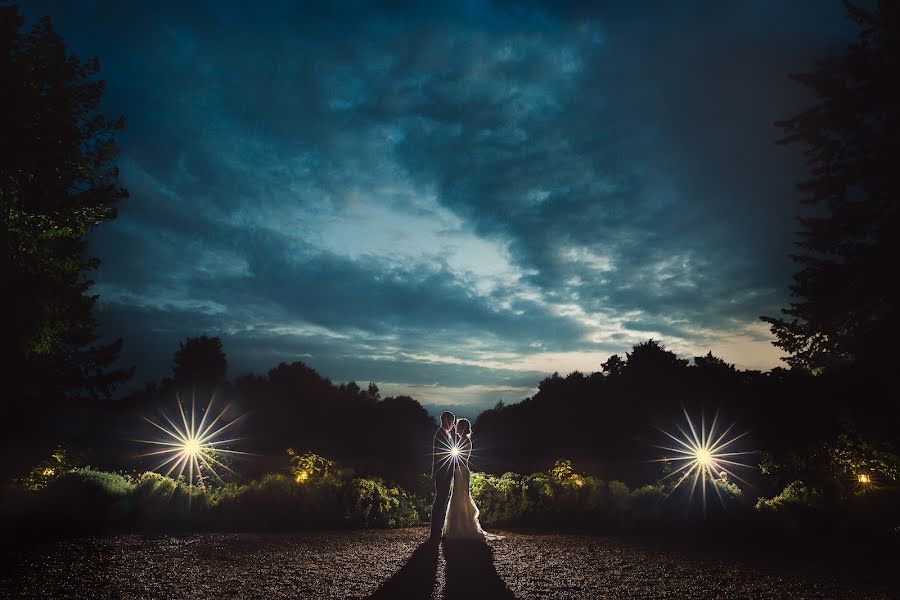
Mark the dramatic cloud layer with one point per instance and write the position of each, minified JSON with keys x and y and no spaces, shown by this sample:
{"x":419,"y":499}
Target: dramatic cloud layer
{"x":451,"y":199}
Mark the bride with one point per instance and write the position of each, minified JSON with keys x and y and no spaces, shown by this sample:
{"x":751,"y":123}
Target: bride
{"x":462,"y":514}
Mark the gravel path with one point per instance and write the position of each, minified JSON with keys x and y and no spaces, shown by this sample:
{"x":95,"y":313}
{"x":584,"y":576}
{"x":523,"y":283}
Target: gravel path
{"x":394,"y":564}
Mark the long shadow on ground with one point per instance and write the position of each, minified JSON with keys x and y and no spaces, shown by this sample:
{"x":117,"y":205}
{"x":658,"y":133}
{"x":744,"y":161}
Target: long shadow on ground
{"x":416,"y":579}
{"x":469,"y":575}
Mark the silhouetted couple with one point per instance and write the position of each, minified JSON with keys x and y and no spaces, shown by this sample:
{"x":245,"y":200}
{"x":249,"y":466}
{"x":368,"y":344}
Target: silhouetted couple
{"x":454,"y":512}
{"x":470,"y":572}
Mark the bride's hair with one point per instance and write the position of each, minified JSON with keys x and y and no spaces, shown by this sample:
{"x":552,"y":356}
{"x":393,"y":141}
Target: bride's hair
{"x":466,"y":426}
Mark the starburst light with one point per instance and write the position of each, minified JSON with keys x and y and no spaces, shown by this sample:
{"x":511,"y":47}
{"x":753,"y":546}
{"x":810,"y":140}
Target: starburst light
{"x":704,"y":456}
{"x":193,"y":448}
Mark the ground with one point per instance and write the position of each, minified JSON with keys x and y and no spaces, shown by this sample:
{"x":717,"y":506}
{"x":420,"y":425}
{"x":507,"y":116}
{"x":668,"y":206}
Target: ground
{"x":395,"y":564}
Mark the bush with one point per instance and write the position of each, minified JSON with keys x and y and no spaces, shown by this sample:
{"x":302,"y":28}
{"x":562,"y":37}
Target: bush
{"x":795,"y":495}
{"x":371,"y":503}
{"x":48,"y":470}
{"x":83,"y":499}
{"x":161,"y":501}
{"x":319,"y":494}
{"x":500,"y":500}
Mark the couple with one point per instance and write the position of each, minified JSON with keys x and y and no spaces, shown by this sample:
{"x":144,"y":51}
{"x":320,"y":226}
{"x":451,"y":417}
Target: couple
{"x":454,"y":512}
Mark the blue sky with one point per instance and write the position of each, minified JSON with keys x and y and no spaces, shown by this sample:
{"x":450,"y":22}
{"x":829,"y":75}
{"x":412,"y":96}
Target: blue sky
{"x":450,"y":199}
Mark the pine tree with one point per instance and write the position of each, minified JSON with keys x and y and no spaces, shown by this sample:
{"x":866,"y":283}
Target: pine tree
{"x":57,"y":182}
{"x":845,"y":304}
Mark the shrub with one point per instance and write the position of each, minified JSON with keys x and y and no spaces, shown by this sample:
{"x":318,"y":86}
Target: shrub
{"x":647,"y":502}
{"x":371,"y":503}
{"x":274,"y":501}
{"x":114,"y":484}
{"x":84,"y":499}
{"x":309,"y":466}
{"x":48,"y":470}
{"x":161,"y":501}
{"x":795,"y":494}
{"x":619,"y":497}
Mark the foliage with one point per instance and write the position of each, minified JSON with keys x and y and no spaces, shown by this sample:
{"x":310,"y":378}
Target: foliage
{"x":309,"y":466}
{"x":833,"y":466}
{"x":851,"y":456}
{"x":371,"y":503}
{"x":293,"y":406}
{"x":86,"y":498}
{"x":115,"y":484}
{"x":610,"y":415}
{"x":796,"y":493}
{"x":47,"y":470}
{"x":161,"y":501}
{"x":199,"y":362}
{"x":563,"y":497}
{"x":57,"y":182}
{"x":844,"y":309}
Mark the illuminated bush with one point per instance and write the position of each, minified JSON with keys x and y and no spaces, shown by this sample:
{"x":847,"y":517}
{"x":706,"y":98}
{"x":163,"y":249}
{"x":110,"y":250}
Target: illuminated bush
{"x":371,"y":503}
{"x":499,"y":499}
{"x":325,"y":496}
{"x":163,"y":501}
{"x":115,"y":484}
{"x":795,"y":494}
{"x":152,"y":482}
{"x":82,"y":499}
{"x":842,"y":467}
{"x":855,"y":461}
{"x":48,"y":470}
{"x":559,"y":497}
{"x":309,"y":466}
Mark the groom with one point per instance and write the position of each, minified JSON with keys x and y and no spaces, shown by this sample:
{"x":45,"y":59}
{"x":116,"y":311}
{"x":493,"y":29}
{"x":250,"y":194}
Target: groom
{"x":441,"y":472}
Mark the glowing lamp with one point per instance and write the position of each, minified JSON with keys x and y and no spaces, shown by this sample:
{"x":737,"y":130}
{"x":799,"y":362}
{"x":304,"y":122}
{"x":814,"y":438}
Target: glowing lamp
{"x":864,"y":479}
{"x":454,"y":451}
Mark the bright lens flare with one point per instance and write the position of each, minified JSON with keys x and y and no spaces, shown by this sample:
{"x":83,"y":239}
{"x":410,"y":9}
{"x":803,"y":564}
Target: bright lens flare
{"x":193,"y":448}
{"x":704,"y":456}
{"x":450,"y":454}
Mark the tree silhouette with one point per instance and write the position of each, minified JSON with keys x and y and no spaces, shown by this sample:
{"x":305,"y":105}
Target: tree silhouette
{"x":613,"y":366}
{"x":651,"y":359}
{"x":57,"y":182}
{"x":845,"y":307}
{"x":199,"y":362}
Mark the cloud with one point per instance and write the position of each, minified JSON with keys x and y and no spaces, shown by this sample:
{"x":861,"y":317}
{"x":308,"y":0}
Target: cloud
{"x":464,"y":197}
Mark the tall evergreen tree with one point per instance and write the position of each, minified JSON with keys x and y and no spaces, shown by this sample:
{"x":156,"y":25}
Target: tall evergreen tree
{"x":57,"y":182}
{"x":845,"y":307}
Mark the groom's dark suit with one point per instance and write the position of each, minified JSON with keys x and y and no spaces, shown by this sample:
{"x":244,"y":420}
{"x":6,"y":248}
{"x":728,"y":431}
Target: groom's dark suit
{"x":442,"y":473}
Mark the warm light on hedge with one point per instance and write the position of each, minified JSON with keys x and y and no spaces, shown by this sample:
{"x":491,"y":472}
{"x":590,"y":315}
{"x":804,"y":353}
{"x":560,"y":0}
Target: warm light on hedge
{"x":864,"y":479}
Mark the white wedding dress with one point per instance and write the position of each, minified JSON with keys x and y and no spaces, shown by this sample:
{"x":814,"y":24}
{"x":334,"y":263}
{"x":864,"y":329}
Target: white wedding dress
{"x":461,"y":522}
